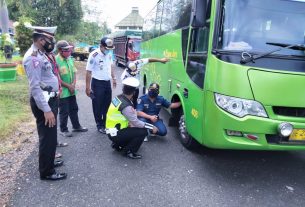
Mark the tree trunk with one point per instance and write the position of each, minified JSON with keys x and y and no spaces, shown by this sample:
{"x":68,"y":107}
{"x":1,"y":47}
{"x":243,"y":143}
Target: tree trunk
{"x":4,"y":20}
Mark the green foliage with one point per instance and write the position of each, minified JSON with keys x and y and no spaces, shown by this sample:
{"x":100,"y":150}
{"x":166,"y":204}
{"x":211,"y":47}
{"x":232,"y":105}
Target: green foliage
{"x":69,"y":17}
{"x":23,"y":35}
{"x":90,"y":32}
{"x":66,"y":14}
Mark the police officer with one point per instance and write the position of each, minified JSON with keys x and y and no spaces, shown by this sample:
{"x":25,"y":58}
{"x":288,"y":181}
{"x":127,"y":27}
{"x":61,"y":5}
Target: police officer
{"x":44,"y":101}
{"x":100,"y":70}
{"x":149,"y":107}
{"x":133,"y":69}
{"x":123,"y":127}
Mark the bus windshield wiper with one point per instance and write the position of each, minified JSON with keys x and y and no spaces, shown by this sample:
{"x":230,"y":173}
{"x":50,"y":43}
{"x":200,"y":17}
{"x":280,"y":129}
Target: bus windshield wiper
{"x":247,"y":57}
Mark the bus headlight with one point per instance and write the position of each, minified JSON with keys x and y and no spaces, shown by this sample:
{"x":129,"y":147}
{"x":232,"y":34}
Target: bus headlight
{"x":240,"y":107}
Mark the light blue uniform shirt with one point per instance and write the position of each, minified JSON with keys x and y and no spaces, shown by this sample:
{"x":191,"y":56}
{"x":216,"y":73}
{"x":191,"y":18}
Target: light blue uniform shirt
{"x":100,"y":65}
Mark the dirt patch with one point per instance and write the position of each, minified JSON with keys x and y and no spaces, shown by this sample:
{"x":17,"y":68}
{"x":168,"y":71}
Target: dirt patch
{"x":13,"y":151}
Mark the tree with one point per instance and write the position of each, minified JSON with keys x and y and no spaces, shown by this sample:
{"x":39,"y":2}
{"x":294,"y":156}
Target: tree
{"x":66,"y":14}
{"x":89,"y":32}
{"x":4,"y":20}
{"x":69,"y":16}
{"x":23,"y":35}
{"x":6,"y":45}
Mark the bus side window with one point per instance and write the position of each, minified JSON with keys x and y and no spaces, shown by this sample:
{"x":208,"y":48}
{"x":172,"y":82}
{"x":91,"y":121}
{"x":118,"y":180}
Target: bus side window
{"x":149,"y":25}
{"x":196,"y":64}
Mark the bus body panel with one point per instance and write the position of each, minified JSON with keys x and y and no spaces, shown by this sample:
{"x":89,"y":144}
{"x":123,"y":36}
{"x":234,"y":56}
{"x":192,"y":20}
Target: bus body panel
{"x":208,"y":123}
{"x":278,"y":89}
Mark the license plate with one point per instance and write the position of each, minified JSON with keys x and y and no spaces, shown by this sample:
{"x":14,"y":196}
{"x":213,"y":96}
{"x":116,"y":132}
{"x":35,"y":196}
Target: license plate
{"x":297,"y":135}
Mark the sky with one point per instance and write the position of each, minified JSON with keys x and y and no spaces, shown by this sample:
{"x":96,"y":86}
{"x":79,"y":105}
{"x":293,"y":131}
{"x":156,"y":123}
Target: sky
{"x":113,"y":11}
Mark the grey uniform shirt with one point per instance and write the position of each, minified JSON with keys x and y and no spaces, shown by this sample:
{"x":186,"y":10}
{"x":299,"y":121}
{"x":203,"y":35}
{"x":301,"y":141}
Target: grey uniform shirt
{"x":39,"y":69}
{"x":130,"y":113}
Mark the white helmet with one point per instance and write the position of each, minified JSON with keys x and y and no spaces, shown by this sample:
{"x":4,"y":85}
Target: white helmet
{"x":130,"y":81}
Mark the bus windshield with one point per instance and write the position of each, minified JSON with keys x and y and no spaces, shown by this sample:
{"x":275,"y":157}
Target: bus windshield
{"x":247,"y":25}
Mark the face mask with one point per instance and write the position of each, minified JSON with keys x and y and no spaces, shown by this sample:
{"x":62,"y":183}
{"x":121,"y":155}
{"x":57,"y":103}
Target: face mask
{"x":49,"y":46}
{"x":66,"y":54}
{"x":152,"y":93}
{"x":106,"y":52}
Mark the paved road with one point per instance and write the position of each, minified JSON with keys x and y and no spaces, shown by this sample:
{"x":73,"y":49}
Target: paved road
{"x":167,"y":175}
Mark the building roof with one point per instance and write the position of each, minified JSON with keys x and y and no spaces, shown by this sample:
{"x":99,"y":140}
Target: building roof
{"x":134,"y":19}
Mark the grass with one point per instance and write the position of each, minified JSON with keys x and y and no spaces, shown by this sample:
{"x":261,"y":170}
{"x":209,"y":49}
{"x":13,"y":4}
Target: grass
{"x":14,"y":106}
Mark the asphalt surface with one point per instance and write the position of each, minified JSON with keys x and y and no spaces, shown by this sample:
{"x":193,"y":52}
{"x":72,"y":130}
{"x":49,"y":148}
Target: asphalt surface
{"x":167,"y":175}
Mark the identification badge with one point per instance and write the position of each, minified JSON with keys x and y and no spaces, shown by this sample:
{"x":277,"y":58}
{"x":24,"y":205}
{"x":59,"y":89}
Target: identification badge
{"x":101,"y":63}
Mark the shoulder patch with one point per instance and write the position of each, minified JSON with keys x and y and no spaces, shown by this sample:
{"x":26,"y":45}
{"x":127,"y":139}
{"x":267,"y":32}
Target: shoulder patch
{"x":35,"y":63}
{"x":116,"y":101}
{"x":95,"y":54}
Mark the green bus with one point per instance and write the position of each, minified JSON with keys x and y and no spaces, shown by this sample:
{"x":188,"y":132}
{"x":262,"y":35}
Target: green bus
{"x":237,"y":66}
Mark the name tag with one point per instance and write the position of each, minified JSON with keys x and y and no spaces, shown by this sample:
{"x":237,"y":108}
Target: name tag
{"x":101,"y":64}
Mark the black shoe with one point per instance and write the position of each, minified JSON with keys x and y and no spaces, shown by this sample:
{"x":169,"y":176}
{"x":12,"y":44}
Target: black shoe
{"x":133,"y":155}
{"x":116,"y":147}
{"x":54,"y":176}
{"x":101,"y":130}
{"x":80,"y":129}
{"x":58,"y":163}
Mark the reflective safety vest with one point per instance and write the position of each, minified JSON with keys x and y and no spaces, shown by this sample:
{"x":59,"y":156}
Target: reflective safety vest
{"x":114,"y":116}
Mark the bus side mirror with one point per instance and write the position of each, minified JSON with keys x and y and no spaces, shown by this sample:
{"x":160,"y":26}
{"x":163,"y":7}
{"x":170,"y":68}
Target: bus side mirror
{"x":198,"y":17}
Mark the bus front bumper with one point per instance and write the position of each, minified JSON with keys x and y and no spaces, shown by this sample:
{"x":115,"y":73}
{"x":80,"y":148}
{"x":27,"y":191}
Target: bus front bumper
{"x":225,"y":131}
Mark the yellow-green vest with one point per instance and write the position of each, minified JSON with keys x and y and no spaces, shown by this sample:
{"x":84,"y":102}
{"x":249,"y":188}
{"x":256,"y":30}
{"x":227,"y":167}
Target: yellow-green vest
{"x":114,"y":116}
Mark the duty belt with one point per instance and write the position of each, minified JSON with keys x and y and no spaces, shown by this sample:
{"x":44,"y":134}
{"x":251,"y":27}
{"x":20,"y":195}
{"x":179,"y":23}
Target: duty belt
{"x":53,"y":94}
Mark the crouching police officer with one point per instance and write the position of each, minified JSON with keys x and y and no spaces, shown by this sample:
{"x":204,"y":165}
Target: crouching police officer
{"x":123,"y":127}
{"x":44,"y":88}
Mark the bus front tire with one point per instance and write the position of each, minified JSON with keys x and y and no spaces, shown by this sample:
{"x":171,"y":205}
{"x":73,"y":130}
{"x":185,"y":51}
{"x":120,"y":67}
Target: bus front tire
{"x":186,"y":140}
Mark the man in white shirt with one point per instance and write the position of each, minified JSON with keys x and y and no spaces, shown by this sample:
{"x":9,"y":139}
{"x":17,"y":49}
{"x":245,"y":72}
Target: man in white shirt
{"x":100,"y":70}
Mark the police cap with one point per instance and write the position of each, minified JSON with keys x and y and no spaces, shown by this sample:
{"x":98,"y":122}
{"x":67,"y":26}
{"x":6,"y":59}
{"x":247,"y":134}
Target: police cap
{"x":107,"y":43}
{"x":46,"y":31}
{"x":131,"y":81}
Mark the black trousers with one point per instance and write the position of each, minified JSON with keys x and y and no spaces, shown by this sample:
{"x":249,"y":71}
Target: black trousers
{"x":68,"y":108}
{"x":47,"y":137}
{"x":130,"y":138}
{"x":101,"y":100}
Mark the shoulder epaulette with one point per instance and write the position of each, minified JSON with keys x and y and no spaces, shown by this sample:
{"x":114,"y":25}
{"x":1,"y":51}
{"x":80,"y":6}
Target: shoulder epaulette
{"x":95,"y":54}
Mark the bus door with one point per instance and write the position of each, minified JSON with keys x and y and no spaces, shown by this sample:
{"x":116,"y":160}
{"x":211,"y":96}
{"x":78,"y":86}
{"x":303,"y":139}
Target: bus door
{"x":193,"y":91}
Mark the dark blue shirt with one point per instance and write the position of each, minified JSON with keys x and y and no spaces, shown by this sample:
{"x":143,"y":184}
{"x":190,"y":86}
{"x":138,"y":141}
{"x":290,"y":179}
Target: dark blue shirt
{"x":152,"y":108}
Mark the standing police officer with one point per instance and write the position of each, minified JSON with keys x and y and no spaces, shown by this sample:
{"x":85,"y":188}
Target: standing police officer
{"x":44,"y":88}
{"x":124,"y":129}
{"x":100,"y":70}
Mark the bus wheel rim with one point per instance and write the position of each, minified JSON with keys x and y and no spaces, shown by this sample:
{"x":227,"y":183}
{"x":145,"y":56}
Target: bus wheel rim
{"x":182,"y":128}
